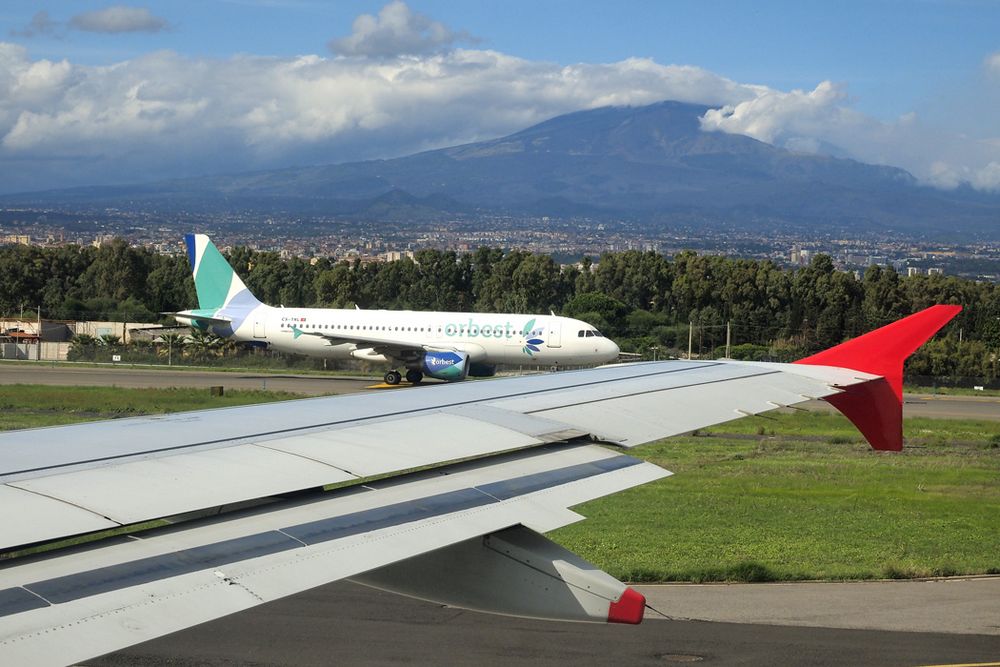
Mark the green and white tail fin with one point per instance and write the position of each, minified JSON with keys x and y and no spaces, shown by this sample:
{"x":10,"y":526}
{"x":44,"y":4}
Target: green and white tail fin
{"x":214,"y":280}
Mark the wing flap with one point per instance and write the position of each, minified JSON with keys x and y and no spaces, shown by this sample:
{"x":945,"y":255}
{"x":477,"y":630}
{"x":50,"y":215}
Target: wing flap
{"x":171,"y":485}
{"x":111,"y":596}
{"x":29,"y":517}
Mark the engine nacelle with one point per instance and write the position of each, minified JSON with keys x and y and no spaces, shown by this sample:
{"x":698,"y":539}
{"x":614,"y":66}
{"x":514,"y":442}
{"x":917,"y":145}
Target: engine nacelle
{"x":481,"y":370}
{"x":450,"y":366}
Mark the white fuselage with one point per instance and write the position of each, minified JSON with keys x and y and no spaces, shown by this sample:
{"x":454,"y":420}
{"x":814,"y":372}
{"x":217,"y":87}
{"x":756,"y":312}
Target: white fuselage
{"x":487,"y":338}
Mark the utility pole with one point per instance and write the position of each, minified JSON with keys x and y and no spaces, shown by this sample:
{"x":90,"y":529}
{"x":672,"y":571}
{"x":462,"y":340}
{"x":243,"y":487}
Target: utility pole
{"x":38,"y":329}
{"x":690,"y":338}
{"x":728,"y":336}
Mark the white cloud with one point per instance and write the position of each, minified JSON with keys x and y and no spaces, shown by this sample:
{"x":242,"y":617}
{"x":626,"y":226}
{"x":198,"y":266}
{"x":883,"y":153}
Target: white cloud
{"x":165,"y":115}
{"x":119,"y":18}
{"x":395,"y":31}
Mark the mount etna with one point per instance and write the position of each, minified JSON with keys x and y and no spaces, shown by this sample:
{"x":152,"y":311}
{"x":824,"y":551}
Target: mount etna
{"x":650,"y":164}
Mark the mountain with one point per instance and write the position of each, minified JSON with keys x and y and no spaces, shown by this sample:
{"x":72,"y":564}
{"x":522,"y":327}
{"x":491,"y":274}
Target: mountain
{"x":650,"y":163}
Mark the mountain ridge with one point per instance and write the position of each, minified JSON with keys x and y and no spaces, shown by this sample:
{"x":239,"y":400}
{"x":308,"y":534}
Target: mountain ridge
{"x":652,"y":163}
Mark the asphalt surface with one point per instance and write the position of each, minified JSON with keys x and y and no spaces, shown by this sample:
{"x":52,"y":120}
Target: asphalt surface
{"x":313,"y":385}
{"x":351,"y":625}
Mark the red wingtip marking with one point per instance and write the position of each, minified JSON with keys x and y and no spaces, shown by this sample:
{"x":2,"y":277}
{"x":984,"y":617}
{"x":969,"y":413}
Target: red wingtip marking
{"x":629,"y":608}
{"x":876,"y":408}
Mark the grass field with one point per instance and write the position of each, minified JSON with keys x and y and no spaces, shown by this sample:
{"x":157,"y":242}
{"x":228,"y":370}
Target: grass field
{"x":801,"y":496}
{"x":31,"y":406}
{"x":788,"y":496}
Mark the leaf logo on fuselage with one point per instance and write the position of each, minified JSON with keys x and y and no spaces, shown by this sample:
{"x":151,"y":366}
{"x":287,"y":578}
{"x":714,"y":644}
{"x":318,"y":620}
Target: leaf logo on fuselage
{"x":531,"y":340}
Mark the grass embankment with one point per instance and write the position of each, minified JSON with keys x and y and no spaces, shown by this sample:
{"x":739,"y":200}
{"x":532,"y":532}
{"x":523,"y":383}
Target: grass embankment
{"x":796,"y":496}
{"x":803,"y":497}
{"x":31,"y":406}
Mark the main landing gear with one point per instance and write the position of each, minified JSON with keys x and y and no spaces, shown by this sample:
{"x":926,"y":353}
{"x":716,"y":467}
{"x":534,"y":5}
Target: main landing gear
{"x":393,"y":377}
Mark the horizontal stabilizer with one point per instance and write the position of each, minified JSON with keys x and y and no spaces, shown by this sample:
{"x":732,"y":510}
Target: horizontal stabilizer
{"x":514,"y":572}
{"x":876,"y":407}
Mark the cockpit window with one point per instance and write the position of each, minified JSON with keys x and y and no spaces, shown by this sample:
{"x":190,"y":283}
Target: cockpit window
{"x":590,"y":334}
{"x":598,"y":333}
{"x":581,"y":333}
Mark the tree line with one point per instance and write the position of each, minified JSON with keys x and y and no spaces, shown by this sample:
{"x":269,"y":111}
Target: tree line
{"x":642,"y":299}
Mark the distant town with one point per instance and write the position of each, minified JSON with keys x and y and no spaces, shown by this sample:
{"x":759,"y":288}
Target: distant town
{"x":567,"y":239}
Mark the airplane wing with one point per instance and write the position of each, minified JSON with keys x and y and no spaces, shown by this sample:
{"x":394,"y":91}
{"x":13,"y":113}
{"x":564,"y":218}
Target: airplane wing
{"x":394,"y":348}
{"x":441,"y":493}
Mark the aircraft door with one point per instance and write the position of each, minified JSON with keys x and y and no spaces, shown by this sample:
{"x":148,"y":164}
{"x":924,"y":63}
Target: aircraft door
{"x":554,"y":339}
{"x":258,"y":329}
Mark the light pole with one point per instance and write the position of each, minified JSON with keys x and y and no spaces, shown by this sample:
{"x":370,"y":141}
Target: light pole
{"x":654,"y":348}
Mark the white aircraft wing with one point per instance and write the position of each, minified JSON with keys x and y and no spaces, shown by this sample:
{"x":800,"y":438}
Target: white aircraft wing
{"x":250,"y":516}
{"x":395,"y":348}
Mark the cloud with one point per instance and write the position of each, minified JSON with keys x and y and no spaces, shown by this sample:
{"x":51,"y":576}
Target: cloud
{"x":395,"y":31}
{"x":40,"y":24}
{"x":992,"y":63}
{"x":823,"y":118}
{"x":167,"y":115}
{"x":119,"y":18}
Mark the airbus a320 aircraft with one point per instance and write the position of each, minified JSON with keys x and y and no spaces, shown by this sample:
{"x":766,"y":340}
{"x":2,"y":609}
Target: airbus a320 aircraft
{"x":442,"y":495}
{"x":445,"y":346}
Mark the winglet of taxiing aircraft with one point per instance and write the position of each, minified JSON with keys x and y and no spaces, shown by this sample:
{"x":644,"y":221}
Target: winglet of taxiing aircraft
{"x":443,"y":495}
{"x":443,"y":345}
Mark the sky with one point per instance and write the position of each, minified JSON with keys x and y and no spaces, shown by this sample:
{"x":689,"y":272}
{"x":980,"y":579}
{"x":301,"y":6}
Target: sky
{"x":104,"y":93}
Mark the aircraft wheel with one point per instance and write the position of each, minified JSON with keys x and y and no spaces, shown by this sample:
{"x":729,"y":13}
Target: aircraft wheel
{"x":414,"y":377}
{"x":392,"y":377}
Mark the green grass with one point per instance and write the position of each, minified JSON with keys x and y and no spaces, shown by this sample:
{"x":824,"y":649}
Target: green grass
{"x":30,"y":406}
{"x":784,"y":497}
{"x":808,"y":503}
{"x":951,"y":391}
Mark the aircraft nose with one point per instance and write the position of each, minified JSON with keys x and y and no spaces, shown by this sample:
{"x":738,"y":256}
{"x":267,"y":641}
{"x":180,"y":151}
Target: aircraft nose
{"x":613,"y":349}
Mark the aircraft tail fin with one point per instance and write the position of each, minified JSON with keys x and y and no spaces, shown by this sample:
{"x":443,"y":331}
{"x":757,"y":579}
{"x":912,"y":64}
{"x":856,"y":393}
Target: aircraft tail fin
{"x":215,"y":280}
{"x":876,"y":407}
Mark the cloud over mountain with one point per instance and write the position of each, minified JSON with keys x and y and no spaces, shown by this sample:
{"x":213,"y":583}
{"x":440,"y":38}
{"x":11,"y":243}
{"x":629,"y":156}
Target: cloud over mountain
{"x":397,"y":86}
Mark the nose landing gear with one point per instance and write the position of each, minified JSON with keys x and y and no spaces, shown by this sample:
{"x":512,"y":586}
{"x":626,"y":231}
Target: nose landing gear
{"x":414,"y":376}
{"x":392,"y":377}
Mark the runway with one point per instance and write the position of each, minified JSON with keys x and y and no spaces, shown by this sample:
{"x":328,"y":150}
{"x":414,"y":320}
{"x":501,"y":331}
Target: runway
{"x":351,"y":625}
{"x":312,"y":385}
{"x":915,"y":405}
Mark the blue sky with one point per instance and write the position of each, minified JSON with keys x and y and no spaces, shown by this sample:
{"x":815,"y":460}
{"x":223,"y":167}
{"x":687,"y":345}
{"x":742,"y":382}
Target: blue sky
{"x":908,"y":83}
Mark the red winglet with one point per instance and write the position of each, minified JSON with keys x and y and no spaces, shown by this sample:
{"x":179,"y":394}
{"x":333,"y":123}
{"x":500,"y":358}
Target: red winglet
{"x":876,"y":407}
{"x":629,"y":608}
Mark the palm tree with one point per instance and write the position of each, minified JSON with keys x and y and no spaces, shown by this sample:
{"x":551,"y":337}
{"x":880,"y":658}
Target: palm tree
{"x":172,"y":344}
{"x":81,"y":346}
{"x":203,"y":344}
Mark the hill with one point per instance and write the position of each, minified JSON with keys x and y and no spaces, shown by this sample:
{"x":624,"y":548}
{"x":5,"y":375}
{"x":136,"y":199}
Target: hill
{"x":650,"y":163}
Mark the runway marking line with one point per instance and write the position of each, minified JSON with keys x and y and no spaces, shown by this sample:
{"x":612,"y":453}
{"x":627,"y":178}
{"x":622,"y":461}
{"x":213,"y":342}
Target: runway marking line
{"x":967,"y":664}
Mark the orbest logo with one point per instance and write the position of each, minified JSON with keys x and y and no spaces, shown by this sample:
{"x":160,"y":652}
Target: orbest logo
{"x":472,"y":329}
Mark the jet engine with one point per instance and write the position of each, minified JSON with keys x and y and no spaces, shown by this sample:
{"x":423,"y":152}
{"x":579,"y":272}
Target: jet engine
{"x":450,"y":366}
